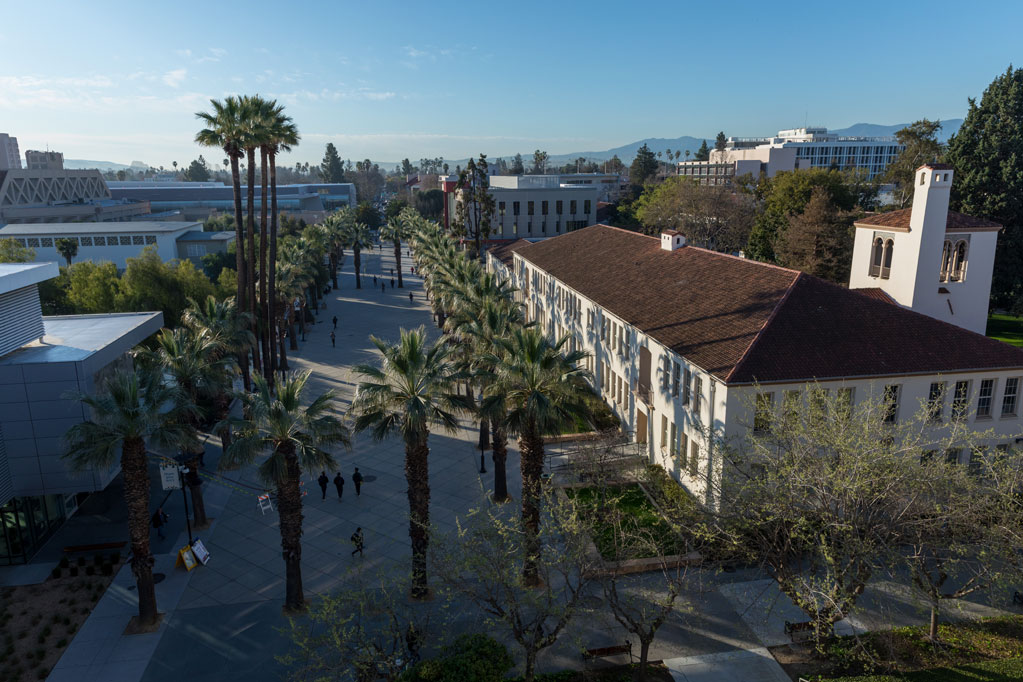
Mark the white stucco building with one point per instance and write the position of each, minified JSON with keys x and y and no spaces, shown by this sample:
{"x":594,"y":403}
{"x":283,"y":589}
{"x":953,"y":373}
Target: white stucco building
{"x":936,"y":261}
{"x":684,"y":342}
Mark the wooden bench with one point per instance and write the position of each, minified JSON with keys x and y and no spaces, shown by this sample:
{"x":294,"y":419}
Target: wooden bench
{"x":98,"y":547}
{"x":604,"y":652}
{"x":799,"y":632}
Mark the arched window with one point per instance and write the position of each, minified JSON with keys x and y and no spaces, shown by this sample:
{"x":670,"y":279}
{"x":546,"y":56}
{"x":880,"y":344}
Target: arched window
{"x":886,"y":265}
{"x":922,"y":178}
{"x":946,"y":261}
{"x":876,"y":254}
{"x":958,"y":272}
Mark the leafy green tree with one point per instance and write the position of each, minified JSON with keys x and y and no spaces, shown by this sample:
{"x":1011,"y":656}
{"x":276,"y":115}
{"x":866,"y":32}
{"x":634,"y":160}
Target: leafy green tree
{"x":93,"y":287}
{"x":11,"y":251}
{"x":407,"y":168}
{"x":197,"y":171}
{"x":475,"y":207}
{"x":367,"y":214}
{"x":393,"y":208}
{"x":429,"y":204}
{"x":133,"y":408}
{"x":818,"y":241}
{"x":150,"y":284}
{"x":921,"y":146}
{"x":67,"y":247}
{"x":413,"y":389}
{"x":987,"y":155}
{"x":294,"y":434}
{"x":615,"y":165}
{"x":517,"y":167}
{"x":213,"y":263}
{"x":470,"y":658}
{"x":703,"y":153}
{"x":720,"y":142}
{"x":539,"y":162}
{"x":222,"y":222}
{"x":331,"y":168}
{"x":644,"y":166}
{"x":711,"y":216}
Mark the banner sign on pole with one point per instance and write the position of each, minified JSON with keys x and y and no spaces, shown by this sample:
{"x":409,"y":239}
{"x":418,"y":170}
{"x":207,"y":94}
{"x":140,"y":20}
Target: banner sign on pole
{"x":169,"y":476}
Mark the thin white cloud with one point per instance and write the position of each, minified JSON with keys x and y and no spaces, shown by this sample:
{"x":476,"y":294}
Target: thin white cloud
{"x":328,"y":95}
{"x":175,"y":78}
{"x":183,"y":53}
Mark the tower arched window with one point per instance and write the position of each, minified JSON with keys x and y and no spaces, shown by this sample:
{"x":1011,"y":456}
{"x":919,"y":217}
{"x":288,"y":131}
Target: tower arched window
{"x":876,"y":256}
{"x":958,"y":271}
{"x":946,"y":261}
{"x":886,"y":264}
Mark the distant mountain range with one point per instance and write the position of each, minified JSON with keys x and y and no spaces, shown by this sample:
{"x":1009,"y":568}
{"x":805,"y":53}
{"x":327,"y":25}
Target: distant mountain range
{"x":626,"y":152}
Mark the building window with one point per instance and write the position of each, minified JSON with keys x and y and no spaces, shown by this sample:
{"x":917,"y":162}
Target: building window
{"x":150,"y":239}
{"x":573,"y":205}
{"x":936,"y":401}
{"x":664,"y":433}
{"x":196,"y":250}
{"x":674,"y":439}
{"x":790,"y":407}
{"x":694,"y":458}
{"x":1009,"y":397}
{"x":125,"y":240}
{"x":763,"y":413}
{"x":46,"y":241}
{"x":500,"y":208}
{"x":890,"y":403}
{"x":544,"y":205}
{"x":586,"y":207}
{"x":697,"y":394}
{"x":876,"y":256}
{"x":33,"y":242}
{"x":687,"y":392}
{"x":529,"y":207}
{"x":683,"y":448}
{"x":557,"y":226}
{"x":886,"y":265}
{"x":960,"y":399}
{"x":86,"y":241}
{"x":676,"y":372}
{"x":984,"y":398}
{"x":952,"y":455}
{"x":958,"y":270}
{"x":515,"y":208}
{"x":558,"y":206}
{"x":946,"y":261}
{"x":137,"y":240}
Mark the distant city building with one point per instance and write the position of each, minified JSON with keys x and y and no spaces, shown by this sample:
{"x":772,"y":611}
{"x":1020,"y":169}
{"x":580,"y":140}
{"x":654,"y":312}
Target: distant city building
{"x":200,"y":200}
{"x":10,"y":156}
{"x":791,"y":150}
{"x":44,"y":160}
{"x":42,"y":361}
{"x":117,"y":242}
{"x":532,"y":206}
{"x":49,"y":196}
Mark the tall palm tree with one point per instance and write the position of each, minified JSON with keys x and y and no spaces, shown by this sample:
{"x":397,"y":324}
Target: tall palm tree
{"x":251,"y":140}
{"x":410,"y":391}
{"x":396,"y":230}
{"x":129,"y":411}
{"x":293,"y":438}
{"x":283,"y":135}
{"x":226,"y":128}
{"x":357,"y":238}
{"x":538,"y":384}
{"x":334,"y":239}
{"x":265,"y":114}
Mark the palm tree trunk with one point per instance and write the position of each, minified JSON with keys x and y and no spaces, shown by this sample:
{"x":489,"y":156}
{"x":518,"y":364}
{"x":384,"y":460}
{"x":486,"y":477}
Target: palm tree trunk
{"x":500,"y":457}
{"x":272,"y":265}
{"x":199,"y":519}
{"x":239,"y":256}
{"x":417,"y":477}
{"x":282,"y":364}
{"x":333,"y":269}
{"x":135,"y":469}
{"x":251,"y":249}
{"x":358,"y":264}
{"x":397,"y":261}
{"x":531,"y":447}
{"x":264,"y":303}
{"x":289,"y":508}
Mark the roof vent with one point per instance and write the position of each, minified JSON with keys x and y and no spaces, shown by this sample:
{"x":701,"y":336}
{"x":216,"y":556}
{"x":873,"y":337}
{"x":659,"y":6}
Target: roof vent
{"x":672,"y":240}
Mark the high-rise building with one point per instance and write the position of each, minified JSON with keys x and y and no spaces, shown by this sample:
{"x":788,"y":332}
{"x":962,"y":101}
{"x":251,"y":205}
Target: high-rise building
{"x":10,"y":156}
{"x":44,"y":160}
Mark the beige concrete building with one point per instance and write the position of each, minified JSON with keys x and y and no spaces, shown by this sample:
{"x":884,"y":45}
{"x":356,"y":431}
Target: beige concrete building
{"x":44,"y":160}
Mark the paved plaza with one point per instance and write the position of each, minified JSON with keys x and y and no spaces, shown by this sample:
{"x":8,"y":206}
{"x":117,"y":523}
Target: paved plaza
{"x":223,"y":621}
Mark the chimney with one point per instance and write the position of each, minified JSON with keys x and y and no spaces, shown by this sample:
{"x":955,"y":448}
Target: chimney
{"x":672,"y":240}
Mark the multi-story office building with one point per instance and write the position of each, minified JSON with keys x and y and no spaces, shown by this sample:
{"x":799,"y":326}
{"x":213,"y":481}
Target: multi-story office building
{"x":117,"y":242}
{"x":200,"y":200}
{"x":44,"y":361}
{"x":693,"y":348}
{"x":792,"y":150}
{"x":44,"y":160}
{"x":10,"y":156}
{"x":531,"y":206}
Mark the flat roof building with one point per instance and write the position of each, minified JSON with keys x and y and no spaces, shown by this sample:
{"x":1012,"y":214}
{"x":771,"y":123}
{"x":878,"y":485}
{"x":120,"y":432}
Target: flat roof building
{"x":51,"y":196}
{"x":44,"y":160}
{"x":43,"y":362}
{"x":10,"y":156}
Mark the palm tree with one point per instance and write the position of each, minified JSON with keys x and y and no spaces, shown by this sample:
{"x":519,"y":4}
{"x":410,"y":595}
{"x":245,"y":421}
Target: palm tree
{"x":358,"y":237}
{"x":538,"y":386}
{"x":294,"y":438}
{"x":129,"y":411}
{"x":264,"y":116}
{"x":411,"y":390}
{"x":334,"y":239}
{"x":226,"y":128}
{"x":252,"y":138}
{"x":67,"y":247}
{"x":283,"y":136}
{"x":396,"y":230}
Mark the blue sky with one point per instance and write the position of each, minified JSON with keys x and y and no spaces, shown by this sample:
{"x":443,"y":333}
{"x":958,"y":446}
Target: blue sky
{"x":120,"y":81}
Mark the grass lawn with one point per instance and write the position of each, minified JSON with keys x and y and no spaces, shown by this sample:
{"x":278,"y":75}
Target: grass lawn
{"x":1006,"y":328}
{"x":989,"y":671}
{"x":639,"y":518}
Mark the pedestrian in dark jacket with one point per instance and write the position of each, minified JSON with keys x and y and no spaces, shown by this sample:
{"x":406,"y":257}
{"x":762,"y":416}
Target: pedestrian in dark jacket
{"x":335,"y":322}
{"x":392,"y":282}
{"x":358,"y":541}
{"x":333,"y":340}
{"x":374,"y":280}
{"x":323,"y":481}
{"x":357,"y":480}
{"x":339,"y":483}
{"x":410,"y":297}
{"x":159,"y":520}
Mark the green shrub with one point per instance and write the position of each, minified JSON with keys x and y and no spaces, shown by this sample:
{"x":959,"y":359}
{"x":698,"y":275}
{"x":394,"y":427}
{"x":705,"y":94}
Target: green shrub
{"x":470,"y":658}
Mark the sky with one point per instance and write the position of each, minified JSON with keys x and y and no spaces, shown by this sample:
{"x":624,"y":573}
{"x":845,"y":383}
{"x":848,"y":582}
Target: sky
{"x":121,"y":81}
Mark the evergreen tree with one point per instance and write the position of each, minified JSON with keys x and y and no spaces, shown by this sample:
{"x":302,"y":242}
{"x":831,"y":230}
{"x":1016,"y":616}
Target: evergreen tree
{"x":517,"y":167}
{"x":197,"y":171}
{"x":644,"y":166}
{"x":331,"y":168}
{"x":921,"y":146}
{"x":539,"y":162}
{"x":819,"y":240}
{"x":720,"y":141}
{"x":987,"y":155}
{"x":703,"y":153}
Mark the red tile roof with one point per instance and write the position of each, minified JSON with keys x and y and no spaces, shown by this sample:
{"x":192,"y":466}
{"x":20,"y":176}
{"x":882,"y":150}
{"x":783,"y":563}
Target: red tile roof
{"x":876,"y":293}
{"x":900,"y":220}
{"x":745,"y":321}
{"x":504,"y":252}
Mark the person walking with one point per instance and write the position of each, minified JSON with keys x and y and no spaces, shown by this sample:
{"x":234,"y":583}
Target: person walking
{"x":383,"y":288}
{"x":323,"y":481}
{"x":333,"y":340}
{"x":358,"y":541}
{"x":374,"y":280}
{"x":392,"y":282}
{"x":159,"y":520}
{"x":335,"y":322}
{"x":339,"y":483}
{"x":357,"y":480}
{"x":410,"y":297}
{"x":392,"y":272}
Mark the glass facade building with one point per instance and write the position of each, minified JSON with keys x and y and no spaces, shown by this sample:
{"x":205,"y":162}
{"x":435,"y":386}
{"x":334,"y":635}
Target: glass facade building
{"x":27,"y":522}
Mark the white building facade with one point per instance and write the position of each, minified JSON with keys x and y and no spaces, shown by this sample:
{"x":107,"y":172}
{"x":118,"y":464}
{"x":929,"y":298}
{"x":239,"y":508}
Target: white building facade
{"x":685,"y":342}
{"x":10,"y":155}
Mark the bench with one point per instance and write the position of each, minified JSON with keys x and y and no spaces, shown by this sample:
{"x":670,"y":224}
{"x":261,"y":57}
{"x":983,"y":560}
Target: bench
{"x":1017,"y":598}
{"x":98,"y":547}
{"x":799,"y":632}
{"x":604,"y":652}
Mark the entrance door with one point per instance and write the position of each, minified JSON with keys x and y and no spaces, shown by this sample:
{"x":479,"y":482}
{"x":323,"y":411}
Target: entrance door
{"x":641,"y":426}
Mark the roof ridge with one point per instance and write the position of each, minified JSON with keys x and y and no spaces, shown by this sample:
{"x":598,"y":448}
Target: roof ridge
{"x":770,"y":318}
{"x":742,"y":259}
